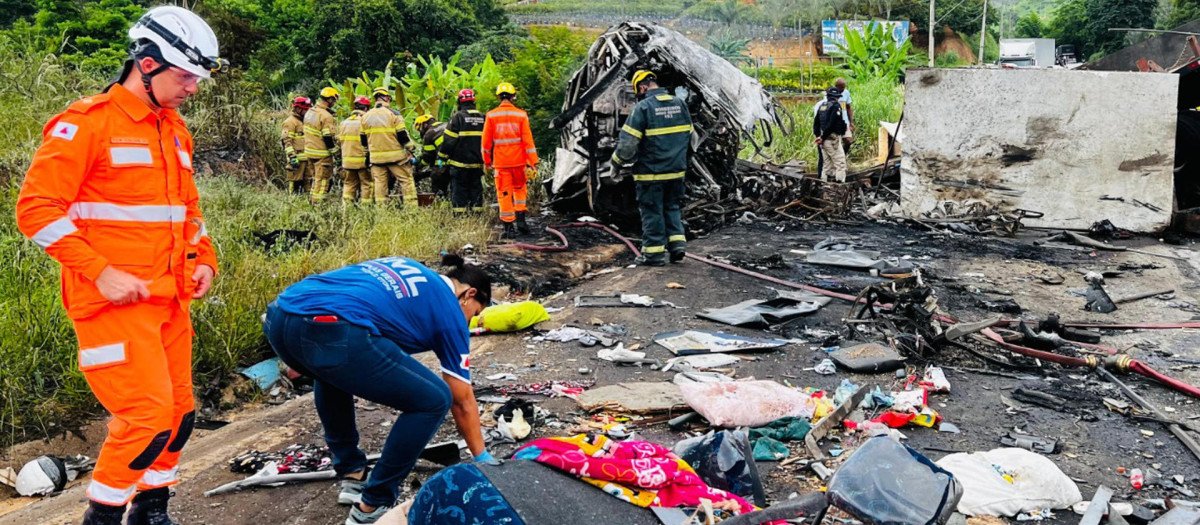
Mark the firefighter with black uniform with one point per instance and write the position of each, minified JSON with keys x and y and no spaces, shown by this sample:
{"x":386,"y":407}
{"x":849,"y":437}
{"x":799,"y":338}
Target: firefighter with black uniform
{"x":654,"y":141}
{"x":461,"y":152}
{"x":432,"y":133}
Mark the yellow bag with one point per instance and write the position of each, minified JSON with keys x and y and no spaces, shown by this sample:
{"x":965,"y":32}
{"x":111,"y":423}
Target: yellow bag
{"x":509,"y":317}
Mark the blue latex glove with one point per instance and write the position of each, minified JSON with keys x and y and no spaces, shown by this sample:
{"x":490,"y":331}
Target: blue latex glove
{"x":486,"y":457}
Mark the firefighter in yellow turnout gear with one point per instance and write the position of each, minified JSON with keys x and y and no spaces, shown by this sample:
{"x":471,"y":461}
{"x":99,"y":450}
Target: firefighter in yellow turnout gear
{"x":320,"y":128}
{"x":299,"y":172}
{"x":356,"y":176}
{"x":390,"y":149}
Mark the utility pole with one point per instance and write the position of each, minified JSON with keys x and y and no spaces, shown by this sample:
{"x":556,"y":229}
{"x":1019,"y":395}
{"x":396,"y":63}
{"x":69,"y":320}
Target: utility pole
{"x":983,"y":32}
{"x":931,"y":32}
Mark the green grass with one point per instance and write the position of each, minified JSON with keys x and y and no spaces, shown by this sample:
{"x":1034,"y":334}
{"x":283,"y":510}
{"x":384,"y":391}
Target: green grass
{"x":41,"y":390}
{"x":40,"y":386}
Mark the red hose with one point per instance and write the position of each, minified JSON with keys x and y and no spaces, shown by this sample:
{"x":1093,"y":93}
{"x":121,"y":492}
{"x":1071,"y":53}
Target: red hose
{"x":598,"y":226}
{"x":1037,"y":354}
{"x":1142,"y":368}
{"x":539,"y":248}
{"x":1127,"y":326}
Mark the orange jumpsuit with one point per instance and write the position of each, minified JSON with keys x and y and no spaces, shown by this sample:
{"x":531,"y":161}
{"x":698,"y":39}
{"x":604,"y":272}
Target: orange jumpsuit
{"x":112,"y":185}
{"x":508,"y":147}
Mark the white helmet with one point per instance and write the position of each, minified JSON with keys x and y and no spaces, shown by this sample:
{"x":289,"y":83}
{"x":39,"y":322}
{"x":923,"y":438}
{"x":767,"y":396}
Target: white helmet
{"x":183,"y":38}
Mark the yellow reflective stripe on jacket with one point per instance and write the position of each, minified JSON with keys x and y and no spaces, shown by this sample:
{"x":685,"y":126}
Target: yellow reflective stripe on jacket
{"x":458,"y":164}
{"x":349,"y":137}
{"x":658,"y":176}
{"x":316,"y":152}
{"x":354,"y":159}
{"x":384,"y":157}
{"x":449,"y":133}
{"x":314,"y":131}
{"x":469,"y":134}
{"x":664,"y":98}
{"x":429,"y":147}
{"x":686,"y":128}
{"x":629,"y":129}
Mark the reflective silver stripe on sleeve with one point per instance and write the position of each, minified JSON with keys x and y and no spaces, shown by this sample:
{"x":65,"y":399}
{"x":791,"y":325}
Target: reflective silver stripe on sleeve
{"x":54,"y":231}
{"x":104,"y":211}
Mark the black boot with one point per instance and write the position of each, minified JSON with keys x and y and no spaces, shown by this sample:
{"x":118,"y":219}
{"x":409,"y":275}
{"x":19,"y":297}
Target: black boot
{"x":522,"y":226}
{"x":101,"y":514}
{"x":150,"y":508}
{"x":510,"y":231}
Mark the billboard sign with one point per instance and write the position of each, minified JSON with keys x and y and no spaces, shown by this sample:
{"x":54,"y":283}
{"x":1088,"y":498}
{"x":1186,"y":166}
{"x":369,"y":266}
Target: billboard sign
{"x":833,"y":32}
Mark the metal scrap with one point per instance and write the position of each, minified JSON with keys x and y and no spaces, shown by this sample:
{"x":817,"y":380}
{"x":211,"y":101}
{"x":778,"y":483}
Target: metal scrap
{"x":727,"y":107}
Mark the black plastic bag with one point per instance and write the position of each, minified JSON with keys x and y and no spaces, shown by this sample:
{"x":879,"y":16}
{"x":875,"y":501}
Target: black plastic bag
{"x":724,"y":461}
{"x":887,"y":483}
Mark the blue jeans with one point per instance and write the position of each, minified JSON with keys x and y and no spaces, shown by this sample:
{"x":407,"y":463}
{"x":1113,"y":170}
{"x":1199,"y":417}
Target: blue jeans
{"x":346,"y":361}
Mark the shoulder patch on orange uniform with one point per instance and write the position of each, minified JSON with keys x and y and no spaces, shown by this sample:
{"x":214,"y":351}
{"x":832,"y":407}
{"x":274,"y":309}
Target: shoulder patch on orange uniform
{"x":87,"y":104}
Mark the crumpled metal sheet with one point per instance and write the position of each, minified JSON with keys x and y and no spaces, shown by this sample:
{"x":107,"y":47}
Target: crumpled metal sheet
{"x":728,"y":107}
{"x":717,"y":81}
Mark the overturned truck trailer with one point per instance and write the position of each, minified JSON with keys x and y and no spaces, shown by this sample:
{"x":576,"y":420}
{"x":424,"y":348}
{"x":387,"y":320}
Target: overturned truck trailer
{"x":726,"y":106}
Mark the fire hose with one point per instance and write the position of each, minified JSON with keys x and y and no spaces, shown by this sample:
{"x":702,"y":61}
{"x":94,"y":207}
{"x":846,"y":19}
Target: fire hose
{"x":1115,"y":361}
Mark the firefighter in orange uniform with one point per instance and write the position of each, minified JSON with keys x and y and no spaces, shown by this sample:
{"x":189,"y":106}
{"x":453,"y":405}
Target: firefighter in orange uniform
{"x":110,"y":195}
{"x":508,"y":149}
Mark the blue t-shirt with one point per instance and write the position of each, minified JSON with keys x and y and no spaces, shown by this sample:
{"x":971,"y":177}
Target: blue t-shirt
{"x":394,"y":297}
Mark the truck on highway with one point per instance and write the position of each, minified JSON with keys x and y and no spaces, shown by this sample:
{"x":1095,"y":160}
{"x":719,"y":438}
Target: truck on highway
{"x":1027,"y":52}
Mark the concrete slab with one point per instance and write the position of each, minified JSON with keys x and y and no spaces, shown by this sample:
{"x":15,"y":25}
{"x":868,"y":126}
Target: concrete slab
{"x":1079,"y":146}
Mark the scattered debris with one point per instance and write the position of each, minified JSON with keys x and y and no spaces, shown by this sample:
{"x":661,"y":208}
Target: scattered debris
{"x":724,"y":460}
{"x":763,"y":313}
{"x":917,"y":490}
{"x":826,"y":367}
{"x":831,"y":252}
{"x":1010,"y":481}
{"x":633,"y":398}
{"x":689,"y":342}
{"x":746,"y":403}
{"x":867,"y":358}
{"x":619,"y":300}
{"x":1030,"y":443}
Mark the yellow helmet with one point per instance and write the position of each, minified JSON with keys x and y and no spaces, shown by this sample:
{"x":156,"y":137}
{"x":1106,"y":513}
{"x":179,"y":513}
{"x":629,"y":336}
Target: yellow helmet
{"x":330,"y":92}
{"x":381,"y":91}
{"x":505,"y":87}
{"x":642,"y":76}
{"x":423,"y":119}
